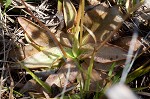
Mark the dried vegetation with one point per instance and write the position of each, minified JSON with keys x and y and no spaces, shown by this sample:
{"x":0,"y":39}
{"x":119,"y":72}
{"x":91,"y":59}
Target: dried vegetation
{"x":74,"y":48}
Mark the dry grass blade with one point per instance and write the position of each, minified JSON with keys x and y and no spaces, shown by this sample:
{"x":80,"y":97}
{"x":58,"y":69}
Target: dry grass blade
{"x":91,"y":33}
{"x":84,"y":64}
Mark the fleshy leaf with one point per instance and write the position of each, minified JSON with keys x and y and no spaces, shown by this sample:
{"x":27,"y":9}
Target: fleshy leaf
{"x":44,"y":59}
{"x":69,"y":13}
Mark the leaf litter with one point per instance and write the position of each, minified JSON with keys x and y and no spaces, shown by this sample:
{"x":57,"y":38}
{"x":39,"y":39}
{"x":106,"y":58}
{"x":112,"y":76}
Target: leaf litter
{"x":44,"y":53}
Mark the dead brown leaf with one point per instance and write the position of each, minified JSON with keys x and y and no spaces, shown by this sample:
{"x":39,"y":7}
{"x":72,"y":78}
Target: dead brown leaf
{"x":105,"y":66}
{"x":35,"y":33}
{"x":31,"y":85}
{"x":108,"y":53}
{"x":22,"y":52}
{"x":60,"y":78}
{"x":124,"y":42}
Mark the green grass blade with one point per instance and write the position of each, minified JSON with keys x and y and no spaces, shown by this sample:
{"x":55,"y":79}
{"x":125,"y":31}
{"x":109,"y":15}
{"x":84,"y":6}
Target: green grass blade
{"x":59,"y":6}
{"x":75,"y":49}
{"x":7,"y":4}
{"x":139,"y":88}
{"x":87,"y":82}
{"x":111,"y":69}
{"x":138,"y":72}
{"x":44,"y":85}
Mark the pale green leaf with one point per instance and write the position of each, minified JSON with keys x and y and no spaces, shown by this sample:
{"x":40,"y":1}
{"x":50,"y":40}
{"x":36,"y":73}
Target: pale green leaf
{"x":69,"y":12}
{"x":7,"y":4}
{"x":44,"y":59}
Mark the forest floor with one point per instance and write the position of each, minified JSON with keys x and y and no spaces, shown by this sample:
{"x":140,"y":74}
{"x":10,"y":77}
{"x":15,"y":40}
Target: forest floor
{"x":74,"y":49}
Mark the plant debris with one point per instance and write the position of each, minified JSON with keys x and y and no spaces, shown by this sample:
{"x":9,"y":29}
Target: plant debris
{"x":74,"y":49}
